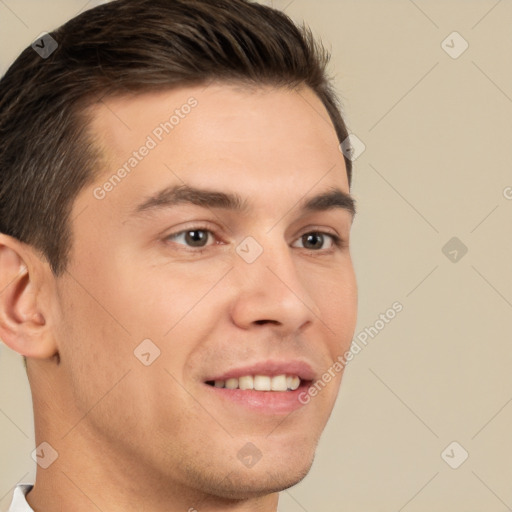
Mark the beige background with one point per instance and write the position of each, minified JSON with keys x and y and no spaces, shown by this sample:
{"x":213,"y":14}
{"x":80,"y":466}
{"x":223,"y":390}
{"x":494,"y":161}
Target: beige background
{"x":437,"y":162}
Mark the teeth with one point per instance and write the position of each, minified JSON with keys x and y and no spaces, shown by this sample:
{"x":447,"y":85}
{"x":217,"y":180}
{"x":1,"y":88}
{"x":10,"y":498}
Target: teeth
{"x":261,"y":383}
{"x":278,"y":383}
{"x":246,"y":382}
{"x":295,"y":383}
{"x":232,"y":383}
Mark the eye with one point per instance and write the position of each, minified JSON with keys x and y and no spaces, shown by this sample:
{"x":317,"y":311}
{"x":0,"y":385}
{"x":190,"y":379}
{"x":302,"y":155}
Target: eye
{"x":198,"y":237}
{"x":315,"y":240}
{"x":195,"y":237}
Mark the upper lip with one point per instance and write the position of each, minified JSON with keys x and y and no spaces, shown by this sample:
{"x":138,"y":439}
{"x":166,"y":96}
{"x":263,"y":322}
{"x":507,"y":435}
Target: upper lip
{"x":298,"y":368}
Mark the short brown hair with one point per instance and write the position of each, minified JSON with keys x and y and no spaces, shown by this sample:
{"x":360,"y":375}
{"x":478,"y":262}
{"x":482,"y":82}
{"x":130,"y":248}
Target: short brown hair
{"x":47,"y":155}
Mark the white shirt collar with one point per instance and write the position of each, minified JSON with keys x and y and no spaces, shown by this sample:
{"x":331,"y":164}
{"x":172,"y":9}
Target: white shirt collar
{"x":19,"y":502}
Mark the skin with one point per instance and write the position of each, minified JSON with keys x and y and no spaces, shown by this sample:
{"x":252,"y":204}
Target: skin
{"x":134,"y":437}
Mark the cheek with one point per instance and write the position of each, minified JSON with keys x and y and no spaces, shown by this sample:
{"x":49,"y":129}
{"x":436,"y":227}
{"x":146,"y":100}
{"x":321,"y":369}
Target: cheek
{"x":104,"y":379}
{"x":92,"y":341}
{"x":170,"y":307}
{"x":337,"y":300}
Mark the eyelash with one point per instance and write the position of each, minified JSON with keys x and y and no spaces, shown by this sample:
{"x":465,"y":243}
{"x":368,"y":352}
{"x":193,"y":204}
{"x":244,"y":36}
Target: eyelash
{"x":338,"y":242}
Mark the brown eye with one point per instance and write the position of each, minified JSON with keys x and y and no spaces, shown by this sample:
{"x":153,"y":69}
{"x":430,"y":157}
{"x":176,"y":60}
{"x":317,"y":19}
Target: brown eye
{"x":315,"y":241}
{"x":191,"y":237}
{"x":196,"y":237}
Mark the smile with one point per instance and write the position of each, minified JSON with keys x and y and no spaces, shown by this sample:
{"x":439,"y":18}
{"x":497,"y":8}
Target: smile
{"x":259,"y":383}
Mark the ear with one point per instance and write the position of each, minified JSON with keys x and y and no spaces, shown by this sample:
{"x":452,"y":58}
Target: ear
{"x":24,"y":313}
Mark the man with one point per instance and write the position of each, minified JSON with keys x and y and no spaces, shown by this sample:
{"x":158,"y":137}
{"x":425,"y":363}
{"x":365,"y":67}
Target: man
{"x":174,"y":254}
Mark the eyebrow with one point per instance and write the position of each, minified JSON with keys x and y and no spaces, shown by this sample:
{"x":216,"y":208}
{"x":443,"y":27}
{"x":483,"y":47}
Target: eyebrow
{"x":334,"y":198}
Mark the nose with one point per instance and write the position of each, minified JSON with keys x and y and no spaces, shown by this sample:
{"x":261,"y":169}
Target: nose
{"x":271,"y":291}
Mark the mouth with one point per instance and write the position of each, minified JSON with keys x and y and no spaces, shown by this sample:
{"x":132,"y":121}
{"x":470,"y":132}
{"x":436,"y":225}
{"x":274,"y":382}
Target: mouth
{"x":267,"y":387}
{"x":280,"y":383}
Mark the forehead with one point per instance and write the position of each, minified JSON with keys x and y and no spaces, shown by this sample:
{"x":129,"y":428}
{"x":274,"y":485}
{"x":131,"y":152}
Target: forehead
{"x":265,"y":139}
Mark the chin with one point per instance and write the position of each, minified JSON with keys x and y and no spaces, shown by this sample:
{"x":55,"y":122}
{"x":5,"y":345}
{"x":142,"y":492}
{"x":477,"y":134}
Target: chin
{"x":240,"y":488}
{"x":279,"y":481}
{"x":256,"y":482}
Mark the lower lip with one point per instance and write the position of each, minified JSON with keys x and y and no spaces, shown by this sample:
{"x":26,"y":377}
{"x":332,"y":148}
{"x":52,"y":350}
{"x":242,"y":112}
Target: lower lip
{"x":271,"y":402}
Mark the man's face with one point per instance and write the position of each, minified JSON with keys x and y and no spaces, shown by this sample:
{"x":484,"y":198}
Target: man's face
{"x":222,"y":293}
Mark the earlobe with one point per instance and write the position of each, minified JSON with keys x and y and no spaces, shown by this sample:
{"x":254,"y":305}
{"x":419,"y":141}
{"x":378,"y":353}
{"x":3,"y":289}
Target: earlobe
{"x":23,"y":326}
